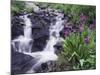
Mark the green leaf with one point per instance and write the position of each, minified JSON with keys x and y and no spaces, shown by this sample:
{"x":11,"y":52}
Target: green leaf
{"x":81,"y":62}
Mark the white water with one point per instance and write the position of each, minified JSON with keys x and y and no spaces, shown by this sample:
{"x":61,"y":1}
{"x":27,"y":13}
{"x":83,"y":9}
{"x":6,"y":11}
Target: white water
{"x":24,"y":41}
{"x":48,"y":53}
{"x":27,"y":29}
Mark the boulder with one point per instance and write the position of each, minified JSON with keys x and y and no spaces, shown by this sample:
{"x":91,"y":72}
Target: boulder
{"x":17,"y":27}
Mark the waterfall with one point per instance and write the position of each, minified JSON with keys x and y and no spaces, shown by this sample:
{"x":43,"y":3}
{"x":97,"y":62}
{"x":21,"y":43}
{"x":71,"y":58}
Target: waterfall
{"x":24,"y":43}
{"x":27,"y":29}
{"x":54,"y":33}
{"x":48,"y":53}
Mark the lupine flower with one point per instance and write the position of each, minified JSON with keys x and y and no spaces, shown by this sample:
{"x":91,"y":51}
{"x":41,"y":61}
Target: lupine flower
{"x":92,"y":26}
{"x":87,"y":40}
{"x":66,"y":33}
{"x":83,"y":17}
{"x":81,"y":28}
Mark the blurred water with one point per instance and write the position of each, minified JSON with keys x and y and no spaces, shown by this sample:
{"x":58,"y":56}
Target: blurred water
{"x":48,"y":54}
{"x":24,"y":43}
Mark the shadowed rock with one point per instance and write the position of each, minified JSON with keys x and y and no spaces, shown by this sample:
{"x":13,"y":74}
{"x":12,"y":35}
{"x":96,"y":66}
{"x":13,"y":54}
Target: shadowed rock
{"x":17,"y":27}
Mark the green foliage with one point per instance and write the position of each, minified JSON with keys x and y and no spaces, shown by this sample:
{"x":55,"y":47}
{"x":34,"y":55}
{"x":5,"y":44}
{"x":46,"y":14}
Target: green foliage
{"x":69,"y":9}
{"x":76,"y":10}
{"x":75,"y":51}
{"x":17,"y":6}
{"x":80,"y":54}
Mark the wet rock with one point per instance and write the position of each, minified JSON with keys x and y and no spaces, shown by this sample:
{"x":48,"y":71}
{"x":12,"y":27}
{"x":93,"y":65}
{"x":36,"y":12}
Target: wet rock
{"x":17,"y":27}
{"x":62,"y":33}
{"x":41,"y":22}
{"x":21,"y":62}
{"x":39,"y":43}
{"x":39,"y":33}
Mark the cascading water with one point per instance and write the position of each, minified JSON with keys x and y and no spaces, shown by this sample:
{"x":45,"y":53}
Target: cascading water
{"x":54,"y":33}
{"x":27,"y":29}
{"x":48,"y":53}
{"x":24,"y":42}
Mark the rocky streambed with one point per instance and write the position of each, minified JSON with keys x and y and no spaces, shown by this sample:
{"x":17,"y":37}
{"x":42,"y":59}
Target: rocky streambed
{"x":36,"y":40}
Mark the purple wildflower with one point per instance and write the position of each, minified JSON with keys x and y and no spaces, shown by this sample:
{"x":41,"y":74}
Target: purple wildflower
{"x":92,"y":26}
{"x":87,"y":40}
{"x":81,"y":28}
{"x":83,"y":17}
{"x":67,"y":30}
{"x":66,"y":33}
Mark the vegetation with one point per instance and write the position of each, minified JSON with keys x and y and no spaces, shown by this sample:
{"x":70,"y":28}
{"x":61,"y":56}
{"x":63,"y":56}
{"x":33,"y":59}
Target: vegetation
{"x":74,"y":11}
{"x":79,"y":48}
{"x":17,"y":6}
{"x":79,"y":51}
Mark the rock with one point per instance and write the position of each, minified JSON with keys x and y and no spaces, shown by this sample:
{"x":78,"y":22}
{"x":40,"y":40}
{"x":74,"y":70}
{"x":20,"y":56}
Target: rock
{"x":41,"y":22}
{"x":17,"y":27}
{"x":33,"y":6}
{"x":39,"y":43}
{"x":21,"y":62}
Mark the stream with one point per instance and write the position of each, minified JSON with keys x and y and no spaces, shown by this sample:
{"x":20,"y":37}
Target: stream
{"x":34,"y":37}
